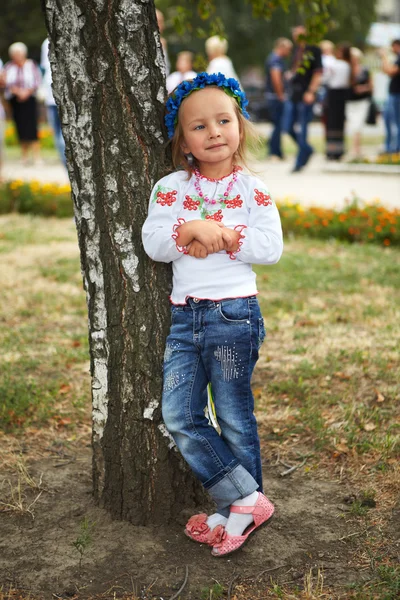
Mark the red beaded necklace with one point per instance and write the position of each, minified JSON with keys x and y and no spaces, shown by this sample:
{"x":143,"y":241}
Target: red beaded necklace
{"x":225,"y":195}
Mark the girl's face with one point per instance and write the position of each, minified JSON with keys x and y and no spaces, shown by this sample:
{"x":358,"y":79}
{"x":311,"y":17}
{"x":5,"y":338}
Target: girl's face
{"x":210,"y":127}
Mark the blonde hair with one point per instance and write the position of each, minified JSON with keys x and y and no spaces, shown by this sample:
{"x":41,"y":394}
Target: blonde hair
{"x":282,"y":41}
{"x":356,"y":53}
{"x":248,"y":137}
{"x":327,"y":46}
{"x":216,"y":46}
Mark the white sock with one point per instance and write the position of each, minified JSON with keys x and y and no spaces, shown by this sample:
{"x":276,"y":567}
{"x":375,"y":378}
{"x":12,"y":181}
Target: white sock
{"x":238,"y":522}
{"x":216,"y":519}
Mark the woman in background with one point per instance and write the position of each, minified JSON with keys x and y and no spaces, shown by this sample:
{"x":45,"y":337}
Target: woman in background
{"x":338,"y":80}
{"x":219,"y":62}
{"x":358,"y":105}
{"x":22,"y":79}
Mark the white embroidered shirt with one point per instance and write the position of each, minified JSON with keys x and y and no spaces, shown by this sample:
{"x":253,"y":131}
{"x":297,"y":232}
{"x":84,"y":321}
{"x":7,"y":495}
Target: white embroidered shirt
{"x":248,"y":208}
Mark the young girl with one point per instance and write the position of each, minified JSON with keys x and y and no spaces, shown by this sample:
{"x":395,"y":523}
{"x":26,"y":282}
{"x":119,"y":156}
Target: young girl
{"x":213,"y":221}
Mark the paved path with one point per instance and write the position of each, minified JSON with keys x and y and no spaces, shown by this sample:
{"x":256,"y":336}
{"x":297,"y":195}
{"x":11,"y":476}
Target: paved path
{"x":311,"y":186}
{"x":314,"y":186}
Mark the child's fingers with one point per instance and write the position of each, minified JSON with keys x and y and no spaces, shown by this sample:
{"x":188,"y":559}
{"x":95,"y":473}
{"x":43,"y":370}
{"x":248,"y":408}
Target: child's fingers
{"x":228,"y":241}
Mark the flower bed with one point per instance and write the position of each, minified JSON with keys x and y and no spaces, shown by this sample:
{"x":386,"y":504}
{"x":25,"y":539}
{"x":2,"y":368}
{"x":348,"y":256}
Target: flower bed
{"x":46,"y":199}
{"x":45,"y":135}
{"x":383,"y":159}
{"x":357,"y":222}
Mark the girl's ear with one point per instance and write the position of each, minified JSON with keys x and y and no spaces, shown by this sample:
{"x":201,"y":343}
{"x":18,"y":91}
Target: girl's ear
{"x":184,"y":147}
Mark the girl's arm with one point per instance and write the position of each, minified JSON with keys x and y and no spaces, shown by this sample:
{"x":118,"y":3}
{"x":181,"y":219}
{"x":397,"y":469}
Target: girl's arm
{"x":159,"y":229}
{"x":262,"y":240}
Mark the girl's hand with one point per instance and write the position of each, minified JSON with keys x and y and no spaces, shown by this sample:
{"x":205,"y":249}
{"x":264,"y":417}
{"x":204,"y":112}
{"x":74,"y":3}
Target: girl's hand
{"x":196,"y":249}
{"x":232,"y":238}
{"x":209,"y":233}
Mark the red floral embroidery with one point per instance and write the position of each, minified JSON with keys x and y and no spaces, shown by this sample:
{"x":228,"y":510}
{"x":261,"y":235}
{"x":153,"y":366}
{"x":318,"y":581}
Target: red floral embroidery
{"x":190,"y":204}
{"x":262,"y":199}
{"x":216,"y":216}
{"x":238,"y":228}
{"x":234,"y":202}
{"x":175,"y":236}
{"x":166,"y":199}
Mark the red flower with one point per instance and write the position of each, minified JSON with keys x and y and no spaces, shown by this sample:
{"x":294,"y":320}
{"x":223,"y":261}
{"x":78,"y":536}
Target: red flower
{"x":216,"y":216}
{"x":190,"y":204}
{"x":262,"y":199}
{"x":234,"y":202}
{"x":166,"y":198}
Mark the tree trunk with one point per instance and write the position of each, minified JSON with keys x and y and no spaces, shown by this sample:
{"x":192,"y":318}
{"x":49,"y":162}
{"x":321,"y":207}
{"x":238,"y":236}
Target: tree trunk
{"x":108,"y":79}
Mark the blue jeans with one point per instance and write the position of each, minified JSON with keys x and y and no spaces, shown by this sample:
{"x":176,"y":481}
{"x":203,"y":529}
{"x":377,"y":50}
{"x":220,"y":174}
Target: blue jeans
{"x":297,"y":116}
{"x":54,"y":122}
{"x":275,"y":111}
{"x":215,"y":342}
{"x":391,"y":115}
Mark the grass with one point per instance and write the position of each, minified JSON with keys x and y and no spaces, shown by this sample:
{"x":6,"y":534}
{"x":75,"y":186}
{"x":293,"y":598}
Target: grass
{"x":327,"y":385}
{"x":332,"y":311}
{"x":44,"y":360}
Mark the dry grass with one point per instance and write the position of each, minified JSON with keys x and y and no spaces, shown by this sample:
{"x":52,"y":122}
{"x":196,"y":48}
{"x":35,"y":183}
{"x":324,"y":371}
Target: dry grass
{"x":327,"y":384}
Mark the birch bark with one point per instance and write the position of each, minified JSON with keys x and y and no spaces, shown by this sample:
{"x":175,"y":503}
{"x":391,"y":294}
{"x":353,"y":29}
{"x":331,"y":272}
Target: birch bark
{"x":108,"y":80}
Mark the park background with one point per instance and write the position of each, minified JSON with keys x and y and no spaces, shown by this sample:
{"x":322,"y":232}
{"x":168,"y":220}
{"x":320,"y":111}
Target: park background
{"x":327,"y":385}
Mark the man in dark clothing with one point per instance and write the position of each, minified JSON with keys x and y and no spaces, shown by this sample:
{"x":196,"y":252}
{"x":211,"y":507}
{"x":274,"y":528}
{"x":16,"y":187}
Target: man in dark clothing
{"x":392,"y":108}
{"x":275,"y":93}
{"x":306,"y":76}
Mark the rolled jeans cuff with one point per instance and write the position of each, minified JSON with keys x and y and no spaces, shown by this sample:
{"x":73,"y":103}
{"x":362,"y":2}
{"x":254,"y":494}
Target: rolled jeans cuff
{"x":236,"y":484}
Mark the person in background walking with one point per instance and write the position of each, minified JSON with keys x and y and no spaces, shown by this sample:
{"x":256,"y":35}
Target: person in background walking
{"x":275,"y":68}
{"x":2,"y":121}
{"x":392,"y":108}
{"x":216,"y":49}
{"x":328,"y":58}
{"x":22,"y":78}
{"x":184,"y":70}
{"x":358,"y":104}
{"x":304,"y":85}
{"x":338,"y":81}
{"x":51,"y":107}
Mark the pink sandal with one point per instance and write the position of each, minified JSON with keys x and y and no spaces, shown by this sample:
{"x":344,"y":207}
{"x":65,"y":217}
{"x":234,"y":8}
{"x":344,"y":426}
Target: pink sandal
{"x":262,"y":511}
{"x":198,"y":530}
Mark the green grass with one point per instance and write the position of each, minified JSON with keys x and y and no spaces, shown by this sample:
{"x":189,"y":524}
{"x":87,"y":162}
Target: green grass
{"x":43,"y":333}
{"x":331,"y":313}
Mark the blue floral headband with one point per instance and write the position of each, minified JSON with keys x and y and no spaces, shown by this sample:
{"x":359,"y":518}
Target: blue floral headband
{"x":230,"y":86}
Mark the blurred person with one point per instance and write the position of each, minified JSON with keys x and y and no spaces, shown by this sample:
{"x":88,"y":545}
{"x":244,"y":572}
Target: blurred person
{"x":275,"y":92}
{"x":51,"y":107}
{"x":358,"y":104}
{"x":304,"y":85}
{"x":164,"y":43}
{"x":184,"y":70}
{"x":219,"y":62}
{"x":338,"y":81}
{"x":22,"y":78}
{"x":391,"y":112}
{"x":2,"y":121}
{"x":327,"y":57}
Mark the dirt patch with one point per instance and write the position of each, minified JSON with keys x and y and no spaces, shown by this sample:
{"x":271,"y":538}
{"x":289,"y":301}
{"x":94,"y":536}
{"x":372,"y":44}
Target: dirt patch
{"x":38,"y":554}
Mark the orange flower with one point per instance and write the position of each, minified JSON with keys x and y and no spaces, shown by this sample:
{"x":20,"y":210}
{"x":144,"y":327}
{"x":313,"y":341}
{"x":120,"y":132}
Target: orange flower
{"x":378,"y":228}
{"x":342,"y":218}
{"x":386,"y":242}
